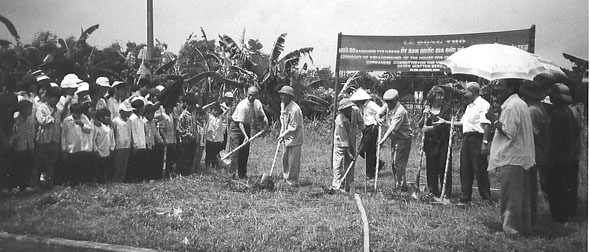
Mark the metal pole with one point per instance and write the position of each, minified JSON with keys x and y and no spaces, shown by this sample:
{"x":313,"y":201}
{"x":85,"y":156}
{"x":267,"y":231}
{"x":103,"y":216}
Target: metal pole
{"x":335,"y":104}
{"x":150,"y":28}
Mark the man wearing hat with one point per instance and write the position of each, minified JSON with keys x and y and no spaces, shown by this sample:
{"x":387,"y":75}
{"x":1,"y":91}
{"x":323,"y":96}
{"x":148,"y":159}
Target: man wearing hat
{"x":122,"y":129}
{"x":69,"y":85}
{"x":401,"y":136}
{"x":247,"y":112}
{"x":119,"y":95}
{"x":345,"y":131}
{"x":103,"y":87}
{"x":512,"y":154}
{"x":532,"y":93}
{"x":565,"y":151}
{"x":371,"y":114}
{"x":291,"y":135}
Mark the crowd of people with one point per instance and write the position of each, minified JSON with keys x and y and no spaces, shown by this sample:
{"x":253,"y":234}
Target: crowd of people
{"x":103,"y":132}
{"x":531,"y":136}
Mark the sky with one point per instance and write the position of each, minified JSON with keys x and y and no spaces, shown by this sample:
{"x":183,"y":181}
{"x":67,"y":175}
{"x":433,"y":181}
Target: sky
{"x":561,"y":26}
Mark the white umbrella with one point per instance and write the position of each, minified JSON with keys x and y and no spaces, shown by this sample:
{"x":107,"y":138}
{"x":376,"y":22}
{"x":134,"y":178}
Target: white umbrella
{"x":553,"y":71}
{"x":495,"y":61}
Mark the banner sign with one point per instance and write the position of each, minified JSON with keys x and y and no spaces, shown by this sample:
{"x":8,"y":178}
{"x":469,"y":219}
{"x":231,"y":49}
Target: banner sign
{"x":418,"y":53}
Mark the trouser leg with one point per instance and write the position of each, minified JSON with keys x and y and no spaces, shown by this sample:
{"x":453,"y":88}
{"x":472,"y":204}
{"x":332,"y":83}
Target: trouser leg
{"x":292,"y":163}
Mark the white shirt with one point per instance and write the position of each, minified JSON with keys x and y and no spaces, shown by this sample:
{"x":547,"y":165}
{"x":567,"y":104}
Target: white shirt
{"x":215,"y":129}
{"x":475,"y":115}
{"x":104,"y":142}
{"x":371,"y":112}
{"x":248,"y":113}
{"x":137,"y":125}
{"x":122,"y":133}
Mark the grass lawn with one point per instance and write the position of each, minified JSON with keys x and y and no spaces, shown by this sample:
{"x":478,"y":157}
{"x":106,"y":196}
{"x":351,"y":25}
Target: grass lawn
{"x":208,"y":212}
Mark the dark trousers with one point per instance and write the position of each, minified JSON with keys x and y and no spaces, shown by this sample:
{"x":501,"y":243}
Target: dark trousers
{"x":211,"y":151}
{"x":474,"y":163}
{"x":239,"y":160}
{"x":80,"y":167}
{"x":137,"y":166}
{"x":368,"y":149}
{"x":562,"y":189}
{"x":170,"y":157}
{"x":4,"y":169}
{"x":20,"y":169}
{"x":103,"y":170}
{"x":435,"y":171}
{"x":46,"y":158}
{"x":155,"y":161}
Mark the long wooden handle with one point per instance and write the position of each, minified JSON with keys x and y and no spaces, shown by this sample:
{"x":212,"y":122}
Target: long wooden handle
{"x":377,"y":154}
{"x":274,"y":160}
{"x":242,"y":145}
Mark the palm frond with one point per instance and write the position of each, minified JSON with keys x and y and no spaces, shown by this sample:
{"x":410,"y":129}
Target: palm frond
{"x":297,"y":53}
{"x":4,"y":43}
{"x":203,"y":35}
{"x":87,"y":32}
{"x":10,"y":27}
{"x":241,"y":70}
{"x":201,"y":76}
{"x":165,"y":67}
{"x":277,"y":48}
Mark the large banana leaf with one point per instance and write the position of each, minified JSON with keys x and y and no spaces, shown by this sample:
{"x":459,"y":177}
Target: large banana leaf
{"x":10,"y":27}
{"x":201,"y":76}
{"x":87,"y":32}
{"x":165,"y":67}
{"x":277,"y":49}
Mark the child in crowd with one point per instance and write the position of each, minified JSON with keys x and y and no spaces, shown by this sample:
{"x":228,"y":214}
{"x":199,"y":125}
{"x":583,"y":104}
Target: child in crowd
{"x":23,"y":145}
{"x":86,"y":165}
{"x":137,"y":158}
{"x":201,"y":116}
{"x":48,"y":136}
{"x":122,"y":128}
{"x":154,"y":143}
{"x":72,"y":132}
{"x":215,"y":129}
{"x":187,"y":131}
{"x":167,"y":128}
{"x":104,"y":144}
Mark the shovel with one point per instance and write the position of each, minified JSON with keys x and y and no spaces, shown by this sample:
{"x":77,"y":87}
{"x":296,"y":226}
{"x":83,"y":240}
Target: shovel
{"x":225,"y":159}
{"x":267,"y":178}
{"x":443,"y":198}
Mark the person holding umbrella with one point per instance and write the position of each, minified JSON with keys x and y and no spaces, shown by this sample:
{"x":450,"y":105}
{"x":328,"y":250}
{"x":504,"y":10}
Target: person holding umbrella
{"x":512,"y":154}
{"x":291,"y":135}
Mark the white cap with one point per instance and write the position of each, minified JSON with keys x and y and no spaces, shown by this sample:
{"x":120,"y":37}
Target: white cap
{"x":360,"y":95}
{"x":70,"y":81}
{"x":228,"y":95}
{"x":160,"y":87}
{"x":42,"y":77}
{"x":125,"y":106}
{"x":82,"y":87}
{"x":53,"y":84}
{"x":103,"y":81}
{"x":115,"y":83}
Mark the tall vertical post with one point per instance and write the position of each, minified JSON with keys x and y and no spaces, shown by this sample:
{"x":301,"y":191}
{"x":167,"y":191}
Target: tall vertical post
{"x":150,"y":28}
{"x":336,"y":92}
